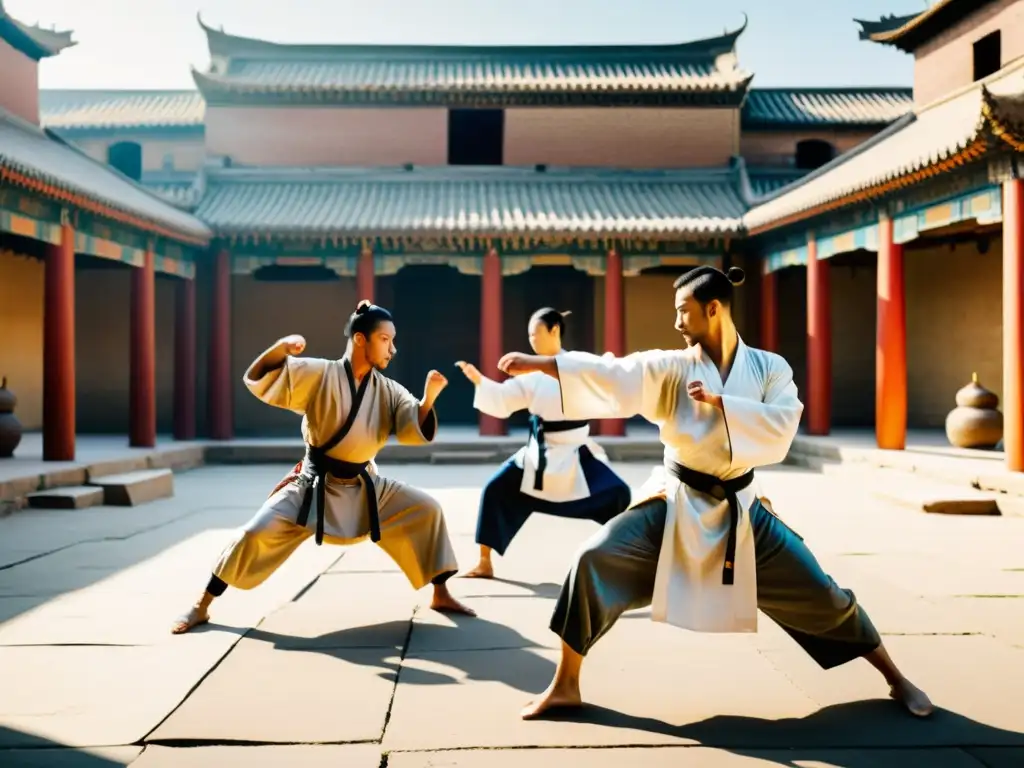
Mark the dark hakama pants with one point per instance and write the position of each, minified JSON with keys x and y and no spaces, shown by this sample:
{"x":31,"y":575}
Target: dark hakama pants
{"x":614,"y":572}
{"x":504,"y":508}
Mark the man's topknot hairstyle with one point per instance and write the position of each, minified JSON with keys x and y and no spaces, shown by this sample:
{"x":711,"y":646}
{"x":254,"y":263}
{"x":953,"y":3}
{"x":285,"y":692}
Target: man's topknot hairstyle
{"x":710,"y":283}
{"x":366,"y":318}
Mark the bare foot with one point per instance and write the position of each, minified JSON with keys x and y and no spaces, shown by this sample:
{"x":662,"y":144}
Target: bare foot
{"x":557,"y":696}
{"x":444,"y":602}
{"x":913,"y":698}
{"x":483,"y":570}
{"x":194,"y":618}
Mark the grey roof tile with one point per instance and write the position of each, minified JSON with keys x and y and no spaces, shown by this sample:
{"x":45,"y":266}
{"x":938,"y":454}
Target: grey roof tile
{"x":797,"y":107}
{"x":918,"y":141}
{"x":471,"y":202}
{"x":32,"y":153}
{"x":108,"y":109}
{"x":249,"y":65}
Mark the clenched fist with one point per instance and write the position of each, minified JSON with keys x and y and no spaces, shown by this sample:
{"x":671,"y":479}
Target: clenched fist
{"x":517,"y":363}
{"x":293,"y":345}
{"x":470,"y":371}
{"x":695,"y":389}
{"x":436,"y":382}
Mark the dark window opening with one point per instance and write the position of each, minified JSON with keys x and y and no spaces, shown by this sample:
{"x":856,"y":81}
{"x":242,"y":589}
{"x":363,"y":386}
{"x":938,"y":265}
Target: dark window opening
{"x":476,"y":136}
{"x":813,"y":153}
{"x":987,"y":55}
{"x":126,"y":156}
{"x":289,"y":273}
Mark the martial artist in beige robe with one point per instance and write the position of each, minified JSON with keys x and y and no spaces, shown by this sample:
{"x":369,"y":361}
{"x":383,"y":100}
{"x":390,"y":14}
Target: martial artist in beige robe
{"x":412,"y":527}
{"x":335,"y":493}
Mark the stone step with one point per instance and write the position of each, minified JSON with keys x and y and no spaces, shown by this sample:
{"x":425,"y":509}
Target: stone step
{"x":133,"y":488}
{"x":66,"y":497}
{"x":465,"y":457}
{"x":931,"y":496}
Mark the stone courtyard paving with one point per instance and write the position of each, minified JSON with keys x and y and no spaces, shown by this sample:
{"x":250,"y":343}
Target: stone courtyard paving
{"x":335,"y":662}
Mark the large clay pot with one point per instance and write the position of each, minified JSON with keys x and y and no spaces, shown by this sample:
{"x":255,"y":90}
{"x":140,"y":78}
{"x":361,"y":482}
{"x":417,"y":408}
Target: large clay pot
{"x":10,"y":427}
{"x":976,"y":421}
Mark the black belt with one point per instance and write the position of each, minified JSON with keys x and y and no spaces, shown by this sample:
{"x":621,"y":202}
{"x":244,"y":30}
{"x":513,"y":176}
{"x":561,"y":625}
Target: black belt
{"x":537,"y":429}
{"x":314,"y":477}
{"x":719,"y":489}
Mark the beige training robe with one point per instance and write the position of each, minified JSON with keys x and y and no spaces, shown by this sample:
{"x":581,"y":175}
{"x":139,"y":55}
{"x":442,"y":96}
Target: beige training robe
{"x":757,"y":423}
{"x":413,"y":529}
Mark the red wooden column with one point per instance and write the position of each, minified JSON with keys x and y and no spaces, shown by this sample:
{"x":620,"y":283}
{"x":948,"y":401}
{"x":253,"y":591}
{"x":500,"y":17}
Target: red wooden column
{"x":142,"y":389}
{"x":59,"y":349}
{"x":890,"y":344}
{"x":1013,"y":324}
{"x":614,"y":327}
{"x":221,"y":409}
{"x":365,"y":276}
{"x":490,"y":333}
{"x":819,"y":343}
{"x":185,"y":360}
{"x":770,"y":311}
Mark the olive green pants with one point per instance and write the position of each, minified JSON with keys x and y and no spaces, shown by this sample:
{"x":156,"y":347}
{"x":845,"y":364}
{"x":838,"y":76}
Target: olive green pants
{"x":614,"y":572}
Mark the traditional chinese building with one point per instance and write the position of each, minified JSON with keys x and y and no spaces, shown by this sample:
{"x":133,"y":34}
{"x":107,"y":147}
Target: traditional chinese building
{"x":907,"y":251}
{"x":461,"y":186}
{"x":97,"y":275}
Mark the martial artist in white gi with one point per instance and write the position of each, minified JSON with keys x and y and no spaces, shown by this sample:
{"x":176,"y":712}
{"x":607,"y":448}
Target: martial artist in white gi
{"x":704,"y":553}
{"x":560,"y":471}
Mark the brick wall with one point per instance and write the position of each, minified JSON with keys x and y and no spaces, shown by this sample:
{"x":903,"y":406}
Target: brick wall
{"x":336,"y":136}
{"x":103,"y":349}
{"x":19,"y":83}
{"x":21,"y":343}
{"x":778,"y":148}
{"x":947,"y":62}
{"x":954,"y":326}
{"x":621,"y":137}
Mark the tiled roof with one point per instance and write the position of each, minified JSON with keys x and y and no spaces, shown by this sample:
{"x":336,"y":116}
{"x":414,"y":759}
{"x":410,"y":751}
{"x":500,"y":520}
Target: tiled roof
{"x":111,"y":110}
{"x":765,"y":180}
{"x":33,"y":41}
{"x":30,"y":157}
{"x":959,"y":128}
{"x":803,"y":107}
{"x":256,"y":67}
{"x":180,"y":188}
{"x":459,"y":201}
{"x":909,"y":32}
{"x":102,"y":109}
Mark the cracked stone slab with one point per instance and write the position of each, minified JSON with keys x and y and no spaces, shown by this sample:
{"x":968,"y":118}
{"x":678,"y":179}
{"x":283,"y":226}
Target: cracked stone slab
{"x":500,"y":623}
{"x":974,"y":682}
{"x":268,"y":694}
{"x":659,"y":696}
{"x":96,"y":757}
{"x":262,"y":756}
{"x":686,"y":757}
{"x":345,"y":611}
{"x":96,"y":696}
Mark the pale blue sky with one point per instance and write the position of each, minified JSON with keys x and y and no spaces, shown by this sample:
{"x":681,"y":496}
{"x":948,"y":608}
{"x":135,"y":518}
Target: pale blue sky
{"x":787,"y":43}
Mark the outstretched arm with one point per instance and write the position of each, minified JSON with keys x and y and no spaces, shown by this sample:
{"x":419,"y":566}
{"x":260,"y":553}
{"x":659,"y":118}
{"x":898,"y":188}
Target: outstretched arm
{"x":497,"y":399}
{"x":279,"y":378}
{"x":607,"y":387}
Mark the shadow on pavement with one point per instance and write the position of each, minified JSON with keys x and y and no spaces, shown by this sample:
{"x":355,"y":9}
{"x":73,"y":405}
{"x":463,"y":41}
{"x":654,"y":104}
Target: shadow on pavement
{"x":520,"y":665}
{"x":861,"y":725}
{"x":49,"y":754}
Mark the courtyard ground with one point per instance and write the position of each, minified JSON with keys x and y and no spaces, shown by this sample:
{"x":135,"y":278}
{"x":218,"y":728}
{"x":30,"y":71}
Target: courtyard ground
{"x":335,"y":662}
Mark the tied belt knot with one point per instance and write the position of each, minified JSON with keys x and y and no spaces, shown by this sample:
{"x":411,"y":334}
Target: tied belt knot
{"x":314,"y":477}
{"x":537,"y":429}
{"x":723,"y":490}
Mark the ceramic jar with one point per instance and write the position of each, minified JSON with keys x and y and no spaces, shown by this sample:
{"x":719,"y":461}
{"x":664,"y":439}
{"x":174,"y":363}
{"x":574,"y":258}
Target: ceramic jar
{"x":10,"y":427}
{"x":976,"y":421}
